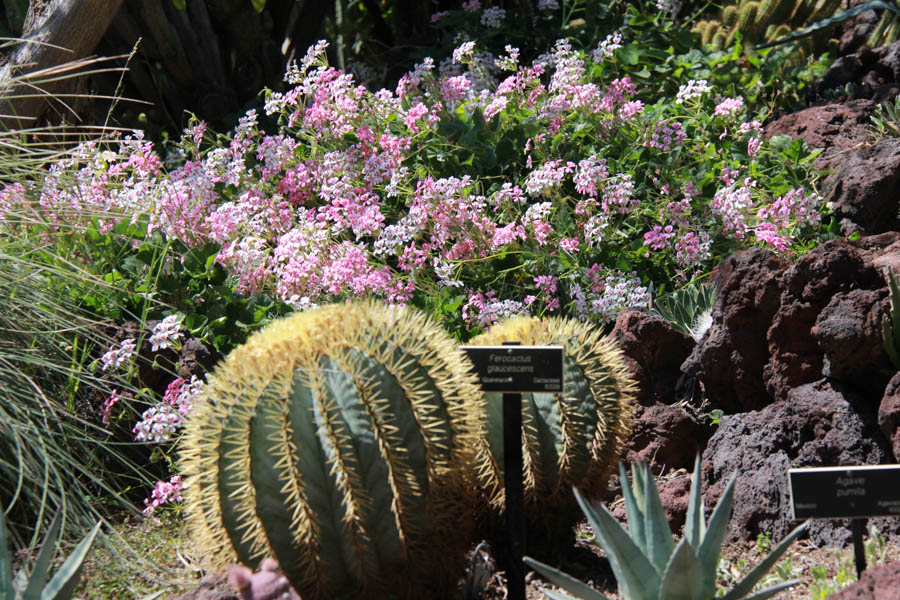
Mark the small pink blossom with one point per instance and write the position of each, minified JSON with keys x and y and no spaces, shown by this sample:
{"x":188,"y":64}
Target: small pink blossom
{"x":728,"y":107}
{"x":163,"y":493}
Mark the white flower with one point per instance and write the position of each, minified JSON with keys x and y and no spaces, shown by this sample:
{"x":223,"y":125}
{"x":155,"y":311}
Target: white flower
{"x":464,"y":53}
{"x":166,"y":332}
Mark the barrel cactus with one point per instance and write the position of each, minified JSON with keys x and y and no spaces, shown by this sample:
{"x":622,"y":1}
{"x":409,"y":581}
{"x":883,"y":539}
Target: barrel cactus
{"x":571,"y":438}
{"x":338,"y":441}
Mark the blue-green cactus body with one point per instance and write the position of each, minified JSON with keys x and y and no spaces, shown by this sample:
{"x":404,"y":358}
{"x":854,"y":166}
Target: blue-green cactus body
{"x":341,"y":443}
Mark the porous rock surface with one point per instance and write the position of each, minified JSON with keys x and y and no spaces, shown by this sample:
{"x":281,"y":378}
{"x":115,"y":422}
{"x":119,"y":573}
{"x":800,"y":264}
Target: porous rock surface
{"x":877,"y":583}
{"x":874,"y":71}
{"x":889,"y":414}
{"x":653,"y":350}
{"x":666,"y":437}
{"x":818,"y":424}
{"x":807,"y":287}
{"x":729,"y":360}
{"x":839,"y":129}
{"x":865,"y":189}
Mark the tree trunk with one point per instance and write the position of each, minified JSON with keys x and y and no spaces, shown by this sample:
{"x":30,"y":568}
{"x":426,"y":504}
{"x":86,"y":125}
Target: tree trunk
{"x":73,"y":27}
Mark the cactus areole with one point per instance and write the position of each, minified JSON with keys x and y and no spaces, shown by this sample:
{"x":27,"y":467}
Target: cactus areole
{"x":340,"y":442}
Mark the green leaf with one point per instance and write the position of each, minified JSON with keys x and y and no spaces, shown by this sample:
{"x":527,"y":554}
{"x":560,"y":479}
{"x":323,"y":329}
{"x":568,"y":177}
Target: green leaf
{"x":258,"y":5}
{"x":40,"y":571}
{"x":62,"y":586}
{"x":630,"y":54}
{"x":557,"y":595}
{"x":6,"y":576}
{"x":711,"y":545}
{"x":565,"y":581}
{"x":834,"y":20}
{"x":656,"y":527}
{"x":180,"y":4}
{"x":633,"y":512}
{"x":771,"y":591}
{"x":745,"y":585}
{"x":679,"y":581}
{"x":694,"y":525}
{"x":637,"y":578}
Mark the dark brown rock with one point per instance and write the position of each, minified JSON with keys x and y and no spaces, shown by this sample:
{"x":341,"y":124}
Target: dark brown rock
{"x":654,"y":351}
{"x":889,"y":414}
{"x":877,"y":583}
{"x":886,"y":258}
{"x":819,"y":424}
{"x":807,"y":288}
{"x":875,"y":72}
{"x":195,"y":358}
{"x":848,"y":332}
{"x":729,"y":359}
{"x":854,"y":33}
{"x":665,"y":437}
{"x":674,"y":493}
{"x":865,"y":189}
{"x":840,"y":129}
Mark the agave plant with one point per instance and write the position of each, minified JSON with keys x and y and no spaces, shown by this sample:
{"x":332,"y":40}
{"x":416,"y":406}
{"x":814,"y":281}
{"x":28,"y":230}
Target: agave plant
{"x":646,"y":561}
{"x":35,"y":585}
{"x":688,"y":309}
{"x":890,"y":324}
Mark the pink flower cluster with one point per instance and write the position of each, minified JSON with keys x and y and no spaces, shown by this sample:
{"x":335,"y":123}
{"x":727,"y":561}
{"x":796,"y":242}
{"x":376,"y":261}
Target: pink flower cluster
{"x":163,"y":493}
{"x":349,"y":197}
{"x":116,"y":357}
{"x":166,"y":333}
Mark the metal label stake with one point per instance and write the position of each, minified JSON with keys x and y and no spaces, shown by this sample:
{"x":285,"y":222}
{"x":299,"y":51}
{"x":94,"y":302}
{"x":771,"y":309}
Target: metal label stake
{"x":513,"y":369}
{"x":846,"y":493}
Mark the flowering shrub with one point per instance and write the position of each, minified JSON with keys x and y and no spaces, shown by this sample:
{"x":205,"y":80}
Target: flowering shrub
{"x":479,"y":187}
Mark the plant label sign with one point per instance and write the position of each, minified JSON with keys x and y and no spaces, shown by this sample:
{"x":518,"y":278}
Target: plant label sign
{"x":845,"y":492}
{"x":517,"y":368}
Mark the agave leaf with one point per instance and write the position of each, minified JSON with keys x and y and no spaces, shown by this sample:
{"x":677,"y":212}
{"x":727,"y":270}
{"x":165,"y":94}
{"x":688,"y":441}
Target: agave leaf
{"x":6,"y":577}
{"x":634,"y":572}
{"x":891,"y":323}
{"x":62,"y":585}
{"x":565,"y":581}
{"x":834,"y":20}
{"x":557,"y":595}
{"x":41,"y":569}
{"x":771,"y":591}
{"x":694,"y":524}
{"x":711,"y":544}
{"x":659,"y":537}
{"x":679,"y":582}
{"x":890,"y":343}
{"x":634,"y":513}
{"x":745,"y":585}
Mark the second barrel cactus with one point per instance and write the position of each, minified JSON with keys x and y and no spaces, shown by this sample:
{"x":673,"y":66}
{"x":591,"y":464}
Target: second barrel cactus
{"x":571,"y":438}
{"x":340,"y":442}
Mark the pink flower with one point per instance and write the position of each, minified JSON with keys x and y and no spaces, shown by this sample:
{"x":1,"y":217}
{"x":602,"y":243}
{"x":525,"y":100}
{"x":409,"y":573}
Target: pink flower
{"x":115,"y":357}
{"x":728,"y":107}
{"x":108,"y":405}
{"x":658,"y":237}
{"x":163,"y":493}
{"x":415,"y":114}
{"x":569,"y":245}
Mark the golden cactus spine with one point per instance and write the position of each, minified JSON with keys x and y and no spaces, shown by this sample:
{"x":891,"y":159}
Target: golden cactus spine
{"x":568,"y":439}
{"x":339,"y":441}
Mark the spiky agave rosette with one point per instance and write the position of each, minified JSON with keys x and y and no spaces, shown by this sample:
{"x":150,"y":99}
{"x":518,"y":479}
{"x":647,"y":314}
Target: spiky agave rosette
{"x":571,"y":438}
{"x":339,"y":441}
